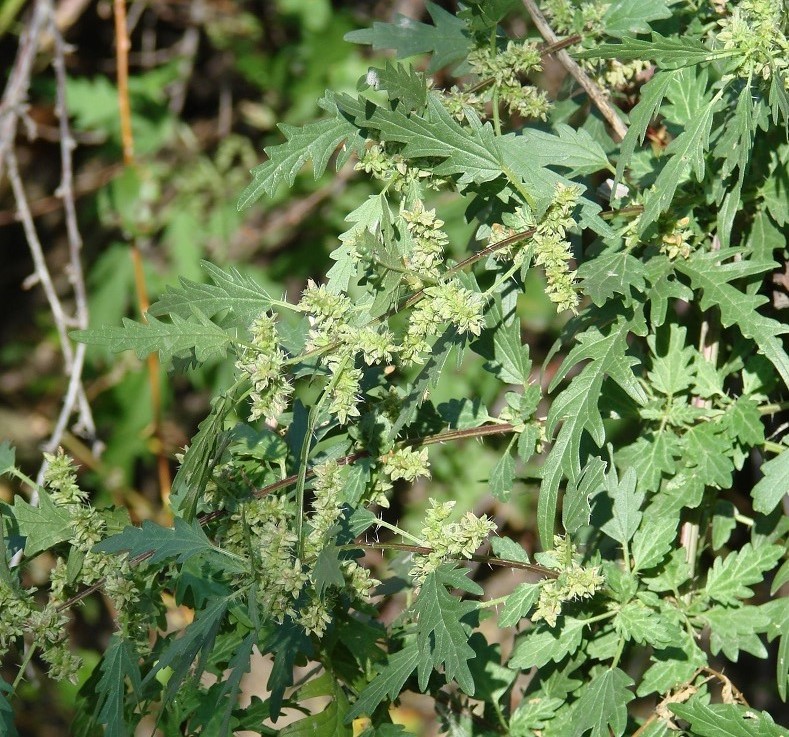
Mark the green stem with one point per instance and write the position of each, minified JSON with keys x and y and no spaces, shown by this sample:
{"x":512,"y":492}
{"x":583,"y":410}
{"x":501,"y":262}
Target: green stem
{"x":23,"y":667}
{"x":398,"y":531}
{"x":771,"y":409}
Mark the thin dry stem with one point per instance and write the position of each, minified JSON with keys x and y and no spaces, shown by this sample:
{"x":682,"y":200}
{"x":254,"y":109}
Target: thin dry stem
{"x":595,"y":93}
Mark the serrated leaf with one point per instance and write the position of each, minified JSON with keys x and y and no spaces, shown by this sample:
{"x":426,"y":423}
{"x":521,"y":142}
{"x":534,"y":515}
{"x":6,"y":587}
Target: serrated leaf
{"x":7,"y":457}
{"x":401,"y":83}
{"x":330,"y":721}
{"x":442,"y":637}
{"x":448,"y":40}
{"x":735,"y":628}
{"x":42,"y":526}
{"x":570,"y":148}
{"x":667,"y":52}
{"x":709,"y":273}
{"x":389,"y":681}
{"x":326,"y":571}
{"x":641,"y":623}
{"x":709,"y":453}
{"x":687,"y":153}
{"x":726,"y":720}
{"x":653,"y":540}
{"x":671,"y":373}
{"x":687,"y":95}
{"x":542,"y":644}
{"x":181,"y":542}
{"x":197,"y":639}
{"x":176,"y":339}
{"x":602,"y":706}
{"x":314,"y":142}
{"x":287,"y":642}
{"x":672,"y":666}
{"x":502,"y":477}
{"x":119,"y":665}
{"x":624,"y":17}
{"x":774,"y":484}
{"x":230,"y":290}
{"x":611,"y":273}
{"x":508,"y":549}
{"x":730,"y":577}
{"x":7,"y":726}
{"x":576,"y":407}
{"x":519,"y":603}
{"x":575,"y":508}
{"x":471,"y":153}
{"x":626,"y":505}
{"x":723,"y":523}
{"x":651,"y":456}
{"x":501,"y":343}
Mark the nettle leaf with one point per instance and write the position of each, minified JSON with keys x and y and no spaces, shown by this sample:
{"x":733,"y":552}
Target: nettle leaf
{"x":315,"y":142}
{"x":687,"y":93}
{"x":730,"y":577}
{"x":610,"y":273}
{"x":576,"y":408}
{"x":651,"y":456}
{"x":43,"y":526}
{"x":735,"y":628}
{"x":575,"y":508}
{"x":543,"y":644}
{"x":519,"y":603}
{"x":502,"y":476}
{"x":331,"y":720}
{"x":442,"y":636}
{"x":773,"y":486}
{"x":119,"y":666}
{"x":672,"y":666}
{"x":389,"y":682}
{"x":181,"y":542}
{"x":710,"y":273}
{"x":602,"y":707}
{"x":636,"y":621}
{"x":624,"y":17}
{"x":470,"y":153}
{"x":726,"y":720}
{"x":667,"y":52}
{"x":627,"y":503}
{"x":177,"y":339}
{"x":7,"y":457}
{"x":230,"y":291}
{"x":571,"y":148}
{"x":448,"y":40}
{"x":500,"y":343}
{"x":671,"y":373}
{"x":402,"y":83}
{"x":653,"y":540}
{"x":687,"y":153}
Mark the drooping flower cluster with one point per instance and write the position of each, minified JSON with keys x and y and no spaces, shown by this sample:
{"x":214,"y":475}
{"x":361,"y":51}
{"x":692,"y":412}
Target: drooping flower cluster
{"x":427,"y":252}
{"x":394,"y":169}
{"x":449,"y":540}
{"x":573,"y":583}
{"x":263,"y":363}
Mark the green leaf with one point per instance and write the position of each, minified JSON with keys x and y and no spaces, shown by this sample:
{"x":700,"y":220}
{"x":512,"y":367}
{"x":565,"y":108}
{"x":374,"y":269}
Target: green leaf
{"x":651,"y":456}
{"x":773,"y":486}
{"x":687,"y":152}
{"x":666,"y":52}
{"x":708,"y":451}
{"x":502,"y":477}
{"x":542,"y":644}
{"x":671,"y":373}
{"x":709,"y":273}
{"x":331,"y":720}
{"x":726,"y":720}
{"x":723,"y":523}
{"x":673,"y":666}
{"x":230,"y":291}
{"x":602,"y":707}
{"x":735,"y":628}
{"x":7,"y":457}
{"x":448,"y":40}
{"x":636,"y":621}
{"x":653,"y":541}
{"x":402,"y":83}
{"x":572,"y":149}
{"x":508,"y":549}
{"x":181,"y":542}
{"x":176,"y":339}
{"x":627,"y":503}
{"x":687,"y":93}
{"x":327,"y":571}
{"x":7,"y":725}
{"x":119,"y":664}
{"x":730,"y":577}
{"x":575,"y":508}
{"x":500,"y":343}
{"x":624,"y":17}
{"x":470,"y":153}
{"x":389,"y":681}
{"x":197,"y":638}
{"x":576,"y":408}
{"x":611,"y":273}
{"x":42,"y":526}
{"x":442,"y":636}
{"x":315,"y":142}
{"x":519,"y":603}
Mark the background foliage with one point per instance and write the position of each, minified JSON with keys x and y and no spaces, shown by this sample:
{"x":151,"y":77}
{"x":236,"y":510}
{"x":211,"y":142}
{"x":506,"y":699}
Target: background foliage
{"x":620,"y":355}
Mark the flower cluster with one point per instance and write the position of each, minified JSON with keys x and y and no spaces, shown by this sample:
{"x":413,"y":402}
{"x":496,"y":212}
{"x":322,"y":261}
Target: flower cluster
{"x":676,"y":242}
{"x":393,"y":169}
{"x":552,"y":251}
{"x":756,"y":30}
{"x":263,"y":363}
{"x":407,"y":464}
{"x":449,"y":302}
{"x":427,"y":252}
{"x":574,"y":582}
{"x":448,"y":540}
